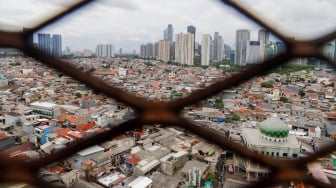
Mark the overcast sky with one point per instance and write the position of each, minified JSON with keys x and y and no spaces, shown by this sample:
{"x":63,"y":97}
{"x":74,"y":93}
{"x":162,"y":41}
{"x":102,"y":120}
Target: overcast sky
{"x":129,"y":23}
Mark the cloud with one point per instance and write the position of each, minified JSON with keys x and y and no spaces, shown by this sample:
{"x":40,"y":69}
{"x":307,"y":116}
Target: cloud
{"x":128,"y":23}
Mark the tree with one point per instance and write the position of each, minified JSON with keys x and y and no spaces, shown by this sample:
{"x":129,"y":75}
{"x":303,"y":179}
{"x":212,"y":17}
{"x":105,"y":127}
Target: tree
{"x":235,"y":117}
{"x":285,"y":100}
{"x":219,"y":104}
{"x":78,"y":95}
{"x":301,"y":93}
{"x":267,"y":84}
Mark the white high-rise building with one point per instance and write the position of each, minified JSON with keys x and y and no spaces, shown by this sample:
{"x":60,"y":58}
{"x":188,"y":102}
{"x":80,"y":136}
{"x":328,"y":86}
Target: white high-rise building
{"x":205,"y":51}
{"x":105,"y":50}
{"x":164,"y":50}
{"x":242,"y":36}
{"x":218,"y":47}
{"x":254,"y":52}
{"x":184,"y":48}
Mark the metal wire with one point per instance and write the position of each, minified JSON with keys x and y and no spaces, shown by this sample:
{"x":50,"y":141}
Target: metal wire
{"x":149,"y":112}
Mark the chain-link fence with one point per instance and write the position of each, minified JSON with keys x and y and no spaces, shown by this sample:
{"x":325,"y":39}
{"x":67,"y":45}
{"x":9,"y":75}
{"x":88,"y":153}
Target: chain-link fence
{"x":150,"y":112}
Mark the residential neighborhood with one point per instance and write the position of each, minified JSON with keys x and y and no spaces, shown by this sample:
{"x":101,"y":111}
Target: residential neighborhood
{"x":285,"y":115}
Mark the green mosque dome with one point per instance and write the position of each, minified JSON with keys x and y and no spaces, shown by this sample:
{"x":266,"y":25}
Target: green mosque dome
{"x":274,"y":127}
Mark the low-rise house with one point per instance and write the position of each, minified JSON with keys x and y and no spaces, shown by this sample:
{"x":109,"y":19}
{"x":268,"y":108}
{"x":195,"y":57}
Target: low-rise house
{"x":146,"y":167}
{"x":141,"y":182}
{"x":173,"y":161}
{"x":86,"y":154}
{"x":6,"y":140}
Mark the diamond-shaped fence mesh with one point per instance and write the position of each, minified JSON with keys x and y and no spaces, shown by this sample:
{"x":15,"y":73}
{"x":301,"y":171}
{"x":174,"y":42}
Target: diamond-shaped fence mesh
{"x":150,"y":112}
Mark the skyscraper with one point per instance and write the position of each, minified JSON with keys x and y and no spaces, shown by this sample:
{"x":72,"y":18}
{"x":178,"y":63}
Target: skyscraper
{"x":44,"y":42}
{"x":218,"y":47}
{"x":242,"y":36}
{"x":206,"y":42}
{"x":254,"y":52}
{"x":192,"y":30}
{"x":56,"y":45}
{"x":147,"y":51}
{"x":105,"y":50}
{"x":168,"y":33}
{"x":263,"y":37}
{"x":184,"y":48}
{"x":164,"y":50}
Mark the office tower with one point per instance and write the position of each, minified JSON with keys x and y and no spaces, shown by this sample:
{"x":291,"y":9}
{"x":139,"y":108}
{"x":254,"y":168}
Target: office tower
{"x":165,"y":34}
{"x":44,"y":42}
{"x":206,"y":42}
{"x":168,"y":33}
{"x":242,"y":36}
{"x":164,"y":50}
{"x":254,"y":52}
{"x":56,"y":45}
{"x":218,"y":47}
{"x":192,"y":30}
{"x":263,"y":37}
{"x":105,"y":50}
{"x":184,"y":48}
{"x":120,"y":51}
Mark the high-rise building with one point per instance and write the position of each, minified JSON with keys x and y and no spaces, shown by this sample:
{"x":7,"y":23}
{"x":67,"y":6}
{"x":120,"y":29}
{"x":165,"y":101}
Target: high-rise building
{"x":226,"y":51}
{"x":56,"y":45}
{"x":206,"y":42}
{"x":172,"y":51}
{"x":105,"y":50}
{"x":165,"y":34}
{"x":120,"y":51}
{"x":52,"y":44}
{"x":263,"y":37}
{"x":192,"y":30}
{"x":44,"y":42}
{"x":147,"y":50}
{"x":164,"y":50}
{"x":184,"y":48}
{"x":218,"y":47}
{"x":242,"y":36}
{"x":168,"y":33}
{"x":254,"y":52}
{"x":212,"y":49}
{"x":156,"y":50}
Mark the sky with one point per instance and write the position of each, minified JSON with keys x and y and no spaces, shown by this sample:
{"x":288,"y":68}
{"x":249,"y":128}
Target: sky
{"x":130,"y":23}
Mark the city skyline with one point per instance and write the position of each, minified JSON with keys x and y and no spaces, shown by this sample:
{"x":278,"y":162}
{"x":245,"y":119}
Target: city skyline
{"x":149,"y":18}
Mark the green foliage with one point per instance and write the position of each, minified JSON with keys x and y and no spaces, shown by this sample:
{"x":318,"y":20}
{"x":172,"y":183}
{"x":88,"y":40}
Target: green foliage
{"x":301,"y":93}
{"x":15,"y":64}
{"x":267,"y":84}
{"x":212,"y":175}
{"x":285,"y":100}
{"x":219,"y":104}
{"x":292,"y":67}
{"x":78,"y":95}
{"x":235,"y":117}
